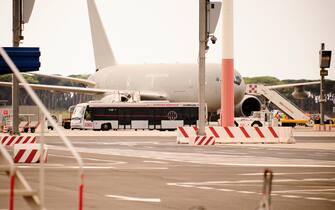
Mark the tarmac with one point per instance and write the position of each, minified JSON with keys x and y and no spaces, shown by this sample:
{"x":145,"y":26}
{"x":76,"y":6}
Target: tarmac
{"x":148,"y":170}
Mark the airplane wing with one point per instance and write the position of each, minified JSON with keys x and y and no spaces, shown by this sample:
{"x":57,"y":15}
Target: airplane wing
{"x":292,"y":85}
{"x":58,"y":88}
{"x":145,"y":95}
{"x":85,"y":82}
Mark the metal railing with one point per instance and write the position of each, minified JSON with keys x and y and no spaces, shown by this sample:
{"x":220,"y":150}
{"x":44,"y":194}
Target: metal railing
{"x":46,"y":113}
{"x":288,"y":100}
{"x":12,"y":169}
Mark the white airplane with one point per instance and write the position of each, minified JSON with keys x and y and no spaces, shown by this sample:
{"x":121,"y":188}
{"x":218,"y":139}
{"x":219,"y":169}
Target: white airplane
{"x":172,"y":82}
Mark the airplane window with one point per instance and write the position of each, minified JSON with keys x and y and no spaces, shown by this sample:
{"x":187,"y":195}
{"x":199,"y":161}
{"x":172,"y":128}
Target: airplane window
{"x":237,"y":79}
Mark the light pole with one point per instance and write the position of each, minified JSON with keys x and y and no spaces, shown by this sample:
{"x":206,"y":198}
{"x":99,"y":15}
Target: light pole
{"x":325,"y":58}
{"x":17,"y":37}
{"x":209,"y":13}
{"x":202,"y":61}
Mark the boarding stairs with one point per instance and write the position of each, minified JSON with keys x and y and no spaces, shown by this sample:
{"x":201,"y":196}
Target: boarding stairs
{"x":18,"y":185}
{"x":281,"y":102}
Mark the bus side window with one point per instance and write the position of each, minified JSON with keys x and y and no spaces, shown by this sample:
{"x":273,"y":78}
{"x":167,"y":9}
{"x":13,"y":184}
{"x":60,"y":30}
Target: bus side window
{"x":88,"y":114}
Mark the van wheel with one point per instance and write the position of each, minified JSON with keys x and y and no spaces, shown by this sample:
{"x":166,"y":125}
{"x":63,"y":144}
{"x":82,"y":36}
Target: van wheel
{"x":105,"y":127}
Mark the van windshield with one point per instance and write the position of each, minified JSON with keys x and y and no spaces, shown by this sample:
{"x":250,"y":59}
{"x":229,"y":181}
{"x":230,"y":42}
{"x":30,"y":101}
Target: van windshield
{"x":78,"y":112}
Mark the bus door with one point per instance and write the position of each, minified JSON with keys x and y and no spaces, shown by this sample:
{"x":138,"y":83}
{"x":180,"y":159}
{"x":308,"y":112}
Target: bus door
{"x":88,"y":121}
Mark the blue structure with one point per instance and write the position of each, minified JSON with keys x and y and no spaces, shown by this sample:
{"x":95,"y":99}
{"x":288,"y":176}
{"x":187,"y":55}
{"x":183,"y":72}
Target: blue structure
{"x":25,"y":58}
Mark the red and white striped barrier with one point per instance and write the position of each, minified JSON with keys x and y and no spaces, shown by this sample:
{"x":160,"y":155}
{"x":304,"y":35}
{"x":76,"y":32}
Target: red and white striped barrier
{"x":29,"y":153}
{"x":8,"y":140}
{"x":186,"y":135}
{"x":204,"y":140}
{"x":252,"y":134}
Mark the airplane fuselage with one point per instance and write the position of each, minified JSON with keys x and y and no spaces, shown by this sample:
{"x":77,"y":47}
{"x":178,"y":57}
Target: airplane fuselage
{"x":178,"y":82}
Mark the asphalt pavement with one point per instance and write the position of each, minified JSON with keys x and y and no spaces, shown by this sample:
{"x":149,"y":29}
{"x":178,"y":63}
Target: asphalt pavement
{"x":150,"y":171}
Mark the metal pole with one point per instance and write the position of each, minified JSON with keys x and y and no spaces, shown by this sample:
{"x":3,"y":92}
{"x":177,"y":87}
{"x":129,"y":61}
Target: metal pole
{"x":202,"y":61}
{"x":322,"y":85}
{"x":17,"y":16}
{"x":42,"y":168}
{"x":227,"y":71}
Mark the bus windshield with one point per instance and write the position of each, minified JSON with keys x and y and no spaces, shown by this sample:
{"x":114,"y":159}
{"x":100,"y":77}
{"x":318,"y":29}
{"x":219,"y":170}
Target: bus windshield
{"x":78,"y":112}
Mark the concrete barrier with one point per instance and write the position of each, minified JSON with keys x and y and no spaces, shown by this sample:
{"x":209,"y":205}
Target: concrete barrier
{"x":229,"y":135}
{"x":325,"y":127}
{"x":29,"y":153}
{"x":203,"y":140}
{"x":186,"y":134}
{"x":9,"y":140}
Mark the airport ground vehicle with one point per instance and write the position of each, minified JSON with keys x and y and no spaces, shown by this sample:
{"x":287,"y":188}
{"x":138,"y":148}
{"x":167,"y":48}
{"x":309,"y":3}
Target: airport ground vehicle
{"x":295,"y":122}
{"x":141,"y":115}
{"x":257,"y":119}
{"x":49,"y":124}
{"x":66,"y":122}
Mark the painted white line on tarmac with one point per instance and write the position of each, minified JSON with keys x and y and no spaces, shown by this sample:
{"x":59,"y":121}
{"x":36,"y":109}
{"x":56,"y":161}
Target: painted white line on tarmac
{"x":319,"y":179}
{"x":126,"y":198}
{"x":251,"y":192}
{"x":61,"y":167}
{"x":307,"y":190}
{"x":246,"y":192}
{"x":279,"y":165}
{"x":226,"y":190}
{"x":47,"y":166}
{"x":93,"y":159}
{"x":196,"y":184}
{"x":222,"y":160}
{"x":184,"y":185}
{"x":291,"y":196}
{"x":316,"y":199}
{"x":143,"y":168}
{"x":231,"y":182}
{"x":155,"y":161}
{"x":94,"y":167}
{"x":114,"y":167}
{"x":280,"y":174}
{"x":205,"y":188}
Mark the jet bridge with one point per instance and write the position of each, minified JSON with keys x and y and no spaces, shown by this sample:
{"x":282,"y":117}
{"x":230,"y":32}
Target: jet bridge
{"x":274,"y":97}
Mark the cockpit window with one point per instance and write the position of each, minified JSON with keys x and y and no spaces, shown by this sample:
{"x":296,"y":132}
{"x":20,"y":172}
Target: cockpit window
{"x":237,"y":79}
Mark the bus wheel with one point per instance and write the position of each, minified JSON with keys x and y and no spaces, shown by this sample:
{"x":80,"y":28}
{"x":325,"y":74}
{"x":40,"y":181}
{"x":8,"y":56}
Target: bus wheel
{"x":105,"y":127}
{"x":256,"y":124}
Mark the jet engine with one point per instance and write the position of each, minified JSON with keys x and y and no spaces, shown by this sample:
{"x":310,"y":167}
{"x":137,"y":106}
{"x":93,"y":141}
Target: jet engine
{"x":299,"y":92}
{"x":247,"y":106}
